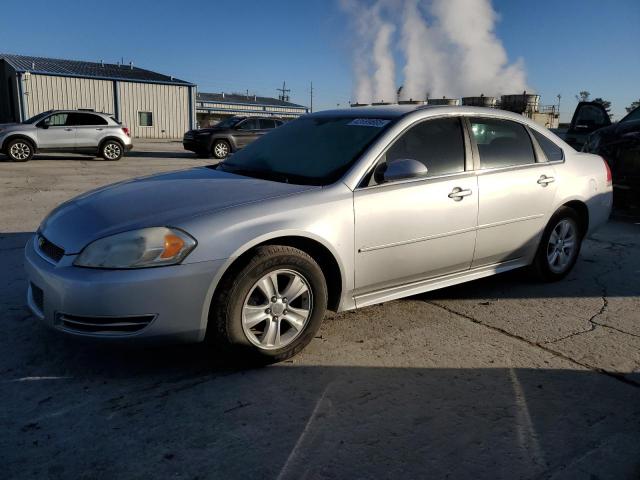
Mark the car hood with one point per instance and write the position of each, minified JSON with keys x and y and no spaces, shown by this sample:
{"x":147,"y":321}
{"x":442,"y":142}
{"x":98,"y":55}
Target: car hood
{"x":159,"y":200}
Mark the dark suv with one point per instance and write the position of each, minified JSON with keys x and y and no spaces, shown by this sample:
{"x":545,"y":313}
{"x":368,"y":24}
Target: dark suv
{"x":228,"y":136}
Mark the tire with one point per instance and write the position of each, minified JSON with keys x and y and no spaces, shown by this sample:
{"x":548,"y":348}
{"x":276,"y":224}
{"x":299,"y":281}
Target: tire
{"x":20,"y":150}
{"x":554,"y":260}
{"x":111,"y":150}
{"x":244,"y":323}
{"x":221,"y":149}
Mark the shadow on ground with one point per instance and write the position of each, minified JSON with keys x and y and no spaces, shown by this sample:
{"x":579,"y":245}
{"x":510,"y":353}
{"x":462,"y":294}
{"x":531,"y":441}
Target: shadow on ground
{"x":316,"y":422}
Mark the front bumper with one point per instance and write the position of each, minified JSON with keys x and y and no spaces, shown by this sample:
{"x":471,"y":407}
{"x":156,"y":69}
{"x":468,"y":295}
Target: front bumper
{"x":196,"y":145}
{"x":173,"y":300}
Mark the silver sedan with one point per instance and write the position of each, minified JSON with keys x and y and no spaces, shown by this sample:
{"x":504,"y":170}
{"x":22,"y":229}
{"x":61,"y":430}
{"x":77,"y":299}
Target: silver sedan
{"x":336,"y":210}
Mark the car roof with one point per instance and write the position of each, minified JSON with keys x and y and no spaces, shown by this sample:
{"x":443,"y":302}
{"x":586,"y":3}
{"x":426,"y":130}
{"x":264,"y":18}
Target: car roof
{"x":93,"y":112}
{"x":397,"y":111}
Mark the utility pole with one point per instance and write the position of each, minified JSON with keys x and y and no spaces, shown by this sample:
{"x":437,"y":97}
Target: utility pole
{"x":284,"y":97}
{"x":311,"y":97}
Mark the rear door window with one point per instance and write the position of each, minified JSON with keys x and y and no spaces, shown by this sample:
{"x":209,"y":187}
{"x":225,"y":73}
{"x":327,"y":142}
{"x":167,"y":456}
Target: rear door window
{"x":266,"y":124}
{"x":85,"y":119}
{"x":438,"y":144}
{"x":502,"y":143}
{"x":552,"y":151}
{"x":250,"y":124}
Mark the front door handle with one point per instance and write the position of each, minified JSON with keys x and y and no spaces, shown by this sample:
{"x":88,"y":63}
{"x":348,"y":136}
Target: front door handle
{"x":68,"y":129}
{"x":544,"y":180}
{"x":458,"y":194}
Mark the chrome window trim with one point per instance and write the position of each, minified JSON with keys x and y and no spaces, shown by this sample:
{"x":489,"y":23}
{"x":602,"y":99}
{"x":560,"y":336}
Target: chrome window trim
{"x":486,"y":171}
{"x":464,"y":174}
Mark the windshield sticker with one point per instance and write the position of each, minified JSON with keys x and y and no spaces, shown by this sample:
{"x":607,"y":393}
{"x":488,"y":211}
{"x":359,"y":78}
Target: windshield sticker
{"x":368,"y":122}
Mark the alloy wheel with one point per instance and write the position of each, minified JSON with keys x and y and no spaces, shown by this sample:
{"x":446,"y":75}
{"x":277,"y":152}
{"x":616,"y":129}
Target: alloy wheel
{"x":221,"y":150}
{"x":277,"y":309}
{"x":562,"y":246}
{"x":112,"y":151}
{"x":20,"y":151}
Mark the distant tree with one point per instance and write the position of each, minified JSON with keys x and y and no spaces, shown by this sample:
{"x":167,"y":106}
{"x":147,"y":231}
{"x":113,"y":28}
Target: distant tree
{"x":605,"y":103}
{"x":633,"y":106}
{"x":583,"y":96}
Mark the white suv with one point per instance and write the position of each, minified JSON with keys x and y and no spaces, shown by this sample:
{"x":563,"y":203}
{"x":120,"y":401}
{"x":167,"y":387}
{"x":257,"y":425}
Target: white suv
{"x":75,"y":131}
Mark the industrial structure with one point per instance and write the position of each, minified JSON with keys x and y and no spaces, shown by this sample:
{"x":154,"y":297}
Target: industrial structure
{"x":523,"y":103}
{"x":211,"y":108}
{"x":151,"y":104}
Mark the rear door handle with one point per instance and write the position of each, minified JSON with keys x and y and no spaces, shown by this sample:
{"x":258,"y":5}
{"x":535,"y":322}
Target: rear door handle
{"x":68,"y":129}
{"x":458,"y":194}
{"x":99,"y":129}
{"x":544,"y":180}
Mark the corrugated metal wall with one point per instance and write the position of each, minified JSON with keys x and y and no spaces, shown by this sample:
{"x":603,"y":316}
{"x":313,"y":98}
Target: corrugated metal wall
{"x":44,"y":92}
{"x":169,"y":105}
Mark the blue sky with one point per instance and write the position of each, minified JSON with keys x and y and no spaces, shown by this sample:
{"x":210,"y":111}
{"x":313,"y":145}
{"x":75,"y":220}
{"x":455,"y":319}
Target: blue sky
{"x":567,"y":46}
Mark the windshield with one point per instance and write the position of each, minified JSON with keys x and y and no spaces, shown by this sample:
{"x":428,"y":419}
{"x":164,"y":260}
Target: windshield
{"x":35,"y":118}
{"x":310,"y":150}
{"x":633,"y":116}
{"x":228,"y":122}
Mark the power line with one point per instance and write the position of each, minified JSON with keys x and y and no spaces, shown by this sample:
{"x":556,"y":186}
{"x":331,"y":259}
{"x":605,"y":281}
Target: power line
{"x":284,"y":92}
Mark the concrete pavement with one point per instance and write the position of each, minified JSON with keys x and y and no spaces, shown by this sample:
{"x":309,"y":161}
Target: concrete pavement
{"x":498,"y":378}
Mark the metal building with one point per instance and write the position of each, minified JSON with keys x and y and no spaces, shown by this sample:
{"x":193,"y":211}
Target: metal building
{"x":213,"y":107}
{"x":151,"y":104}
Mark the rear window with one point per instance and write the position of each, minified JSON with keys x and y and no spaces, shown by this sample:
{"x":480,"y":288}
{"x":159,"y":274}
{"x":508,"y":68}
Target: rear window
{"x":267,"y":124}
{"x":502,"y":143}
{"x":552,"y":151}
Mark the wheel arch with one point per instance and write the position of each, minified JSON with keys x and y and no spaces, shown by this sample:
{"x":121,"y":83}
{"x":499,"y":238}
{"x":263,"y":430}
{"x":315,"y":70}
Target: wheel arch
{"x":322,"y":254}
{"x":582,"y":210}
{"x":106,"y":139}
{"x":19,"y":136}
{"x":226,"y":138}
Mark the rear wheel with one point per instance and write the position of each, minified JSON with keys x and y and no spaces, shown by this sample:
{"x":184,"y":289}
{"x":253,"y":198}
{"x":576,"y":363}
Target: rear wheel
{"x":559,"y":246}
{"x":20,"y":150}
{"x":111,"y":150}
{"x":221,"y":149}
{"x":269,"y":309}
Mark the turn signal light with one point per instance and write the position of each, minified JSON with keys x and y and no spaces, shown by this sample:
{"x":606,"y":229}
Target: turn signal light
{"x":172,"y":246}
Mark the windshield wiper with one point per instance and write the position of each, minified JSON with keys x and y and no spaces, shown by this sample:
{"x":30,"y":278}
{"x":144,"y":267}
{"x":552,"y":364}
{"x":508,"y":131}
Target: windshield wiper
{"x":255,"y":173}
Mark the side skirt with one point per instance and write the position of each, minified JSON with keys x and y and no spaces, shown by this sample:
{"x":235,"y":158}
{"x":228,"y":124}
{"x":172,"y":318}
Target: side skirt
{"x":422,"y":286}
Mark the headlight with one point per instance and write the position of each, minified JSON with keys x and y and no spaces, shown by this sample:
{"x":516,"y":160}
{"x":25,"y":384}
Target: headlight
{"x":148,"y":247}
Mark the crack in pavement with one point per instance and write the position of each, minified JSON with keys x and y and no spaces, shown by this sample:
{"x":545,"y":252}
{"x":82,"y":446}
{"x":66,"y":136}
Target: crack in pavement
{"x":542,"y":346}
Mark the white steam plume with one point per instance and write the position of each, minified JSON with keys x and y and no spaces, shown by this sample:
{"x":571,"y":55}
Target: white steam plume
{"x":373,"y":64}
{"x":449,"y":46}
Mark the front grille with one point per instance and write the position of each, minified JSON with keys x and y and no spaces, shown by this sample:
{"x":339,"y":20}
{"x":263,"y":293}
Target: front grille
{"x":104,"y":325}
{"x":49,"y":249}
{"x":37,"y":295}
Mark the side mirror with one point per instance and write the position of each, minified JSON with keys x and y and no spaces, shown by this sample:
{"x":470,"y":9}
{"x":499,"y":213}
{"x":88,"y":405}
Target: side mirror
{"x":400,"y":169}
{"x":43,"y":125}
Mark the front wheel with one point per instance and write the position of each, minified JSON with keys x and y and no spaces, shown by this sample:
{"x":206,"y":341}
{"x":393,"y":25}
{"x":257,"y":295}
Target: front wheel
{"x":20,"y":150}
{"x":559,"y":246}
{"x":270,"y":309}
{"x":221,"y":149}
{"x":111,"y":150}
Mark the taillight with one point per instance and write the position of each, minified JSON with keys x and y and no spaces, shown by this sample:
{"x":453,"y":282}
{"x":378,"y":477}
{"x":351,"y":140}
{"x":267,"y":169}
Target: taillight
{"x":126,"y":131}
{"x":609,"y":176}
